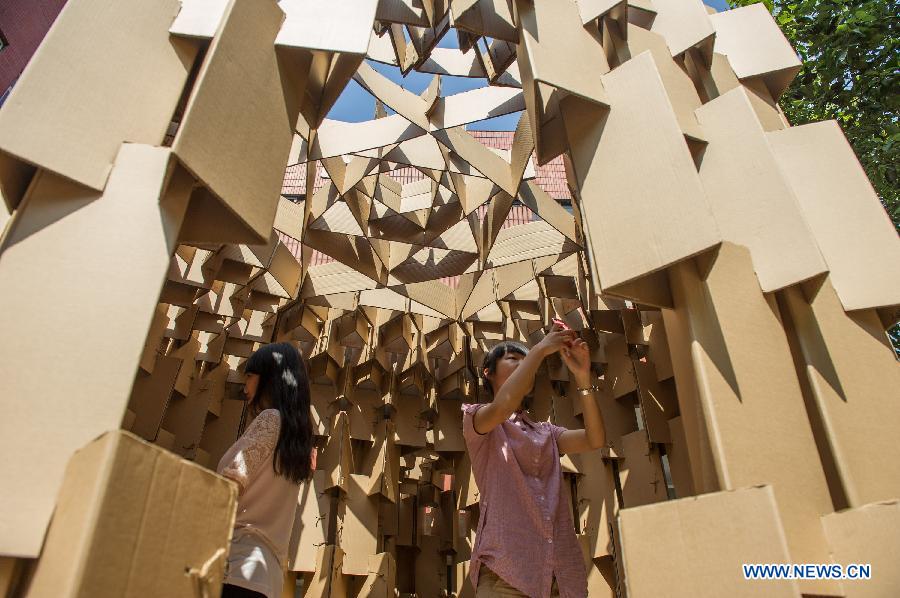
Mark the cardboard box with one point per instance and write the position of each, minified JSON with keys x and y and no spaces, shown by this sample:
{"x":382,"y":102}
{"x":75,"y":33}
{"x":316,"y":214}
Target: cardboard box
{"x":134,"y":520}
{"x":612,"y":150}
{"x":866,"y":535}
{"x":700,"y":543}
{"x":846,"y":218}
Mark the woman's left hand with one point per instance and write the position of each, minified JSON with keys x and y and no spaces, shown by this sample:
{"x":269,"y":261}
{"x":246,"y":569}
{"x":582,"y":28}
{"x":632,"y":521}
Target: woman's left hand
{"x":577,"y":357}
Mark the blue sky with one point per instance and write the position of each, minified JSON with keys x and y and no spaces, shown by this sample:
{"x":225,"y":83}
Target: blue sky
{"x":356,"y":104}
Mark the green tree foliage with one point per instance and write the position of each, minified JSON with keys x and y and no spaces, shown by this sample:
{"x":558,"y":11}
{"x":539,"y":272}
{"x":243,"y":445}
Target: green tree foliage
{"x":851,"y":73}
{"x":851,"y":56}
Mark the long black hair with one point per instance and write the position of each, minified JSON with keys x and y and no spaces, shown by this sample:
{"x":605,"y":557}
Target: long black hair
{"x":284,"y":381}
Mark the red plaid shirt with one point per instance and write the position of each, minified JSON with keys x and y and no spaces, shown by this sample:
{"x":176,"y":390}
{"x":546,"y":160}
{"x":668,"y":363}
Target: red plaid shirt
{"x":525,"y":531}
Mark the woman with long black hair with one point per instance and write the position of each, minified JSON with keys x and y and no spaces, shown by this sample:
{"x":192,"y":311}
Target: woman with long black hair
{"x":269,"y":462}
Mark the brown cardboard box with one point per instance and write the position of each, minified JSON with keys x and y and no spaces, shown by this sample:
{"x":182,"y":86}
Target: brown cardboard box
{"x":853,"y":232}
{"x":699,"y":544}
{"x":867,"y":535}
{"x":134,"y":520}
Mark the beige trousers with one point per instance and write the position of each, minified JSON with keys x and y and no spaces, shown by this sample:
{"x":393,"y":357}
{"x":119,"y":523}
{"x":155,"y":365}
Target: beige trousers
{"x":490,"y":586}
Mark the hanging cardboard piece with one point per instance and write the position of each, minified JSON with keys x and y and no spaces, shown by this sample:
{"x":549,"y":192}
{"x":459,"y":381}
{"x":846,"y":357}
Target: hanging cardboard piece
{"x":385,"y":477}
{"x":403,"y":102}
{"x":754,"y":207}
{"x":129,"y":94}
{"x":597,"y":504}
{"x":321,"y":25}
{"x":756,"y":47}
{"x":677,"y":454}
{"x":111,"y":531}
{"x":448,"y":427}
{"x":641,"y":471}
{"x":336,"y":459}
{"x":150,"y":396}
{"x":381,"y":579}
{"x":489,"y":18}
{"x":847,"y":220}
{"x":679,"y":86}
{"x":328,"y":580}
{"x":640,"y":125}
{"x":547,"y":209}
{"x":359,"y":530}
{"x":221,"y":431}
{"x":310,"y":524}
{"x":658,"y":401}
{"x":334,"y":137}
{"x":685,"y":24}
{"x":699,"y":543}
{"x":547,"y":67}
{"x":450,"y":61}
{"x":741,"y":389}
{"x":238,"y":109}
{"x":199,"y":18}
{"x":472,"y":106}
{"x":139,"y":223}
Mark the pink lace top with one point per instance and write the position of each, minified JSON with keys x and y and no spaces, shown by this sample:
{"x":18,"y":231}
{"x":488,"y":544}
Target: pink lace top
{"x":267,"y":502}
{"x":525,"y":531}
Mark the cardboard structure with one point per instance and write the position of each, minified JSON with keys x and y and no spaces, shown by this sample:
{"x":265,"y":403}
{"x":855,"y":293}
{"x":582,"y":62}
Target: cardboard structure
{"x":732,"y":275}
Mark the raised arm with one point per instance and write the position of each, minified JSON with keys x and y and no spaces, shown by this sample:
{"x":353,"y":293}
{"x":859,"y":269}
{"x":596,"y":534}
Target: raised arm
{"x":577,"y":358}
{"x":508,"y":397}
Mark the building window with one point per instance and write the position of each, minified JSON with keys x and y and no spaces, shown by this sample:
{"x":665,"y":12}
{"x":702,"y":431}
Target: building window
{"x":3,"y":42}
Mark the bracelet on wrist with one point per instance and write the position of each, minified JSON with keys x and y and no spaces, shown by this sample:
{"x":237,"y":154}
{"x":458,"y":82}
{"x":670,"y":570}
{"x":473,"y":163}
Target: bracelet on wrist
{"x":587,"y":390}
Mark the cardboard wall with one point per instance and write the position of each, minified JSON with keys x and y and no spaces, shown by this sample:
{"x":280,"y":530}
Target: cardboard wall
{"x":732,"y":289}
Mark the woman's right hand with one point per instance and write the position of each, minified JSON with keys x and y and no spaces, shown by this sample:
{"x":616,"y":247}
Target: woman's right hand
{"x":555,"y":340}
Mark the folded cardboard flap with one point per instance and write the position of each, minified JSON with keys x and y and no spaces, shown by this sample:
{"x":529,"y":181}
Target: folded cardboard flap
{"x":130,"y":92}
{"x":699,"y":544}
{"x":131,"y":520}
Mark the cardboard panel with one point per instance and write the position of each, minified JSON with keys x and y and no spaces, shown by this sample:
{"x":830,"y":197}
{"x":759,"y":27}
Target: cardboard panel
{"x":700,"y":543}
{"x":237,"y":129}
{"x":110,"y":300}
{"x":324,"y":25}
{"x":310,"y":524}
{"x":129,"y":93}
{"x":866,"y":535}
{"x":111,"y":532}
{"x":611,"y":154}
{"x":848,"y":222}
{"x":848,"y":366}
{"x":749,"y":394}
{"x":658,"y":401}
{"x":754,"y":207}
{"x":756,"y":47}
{"x":684,"y":24}
{"x":679,"y":86}
{"x":359,"y":529}
{"x":337,"y":459}
{"x":641,"y":471}
{"x":150,"y":396}
{"x":597,"y":504}
{"x":677,"y":454}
